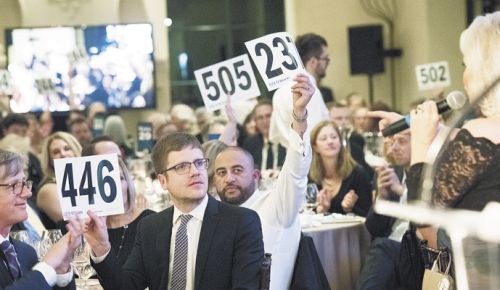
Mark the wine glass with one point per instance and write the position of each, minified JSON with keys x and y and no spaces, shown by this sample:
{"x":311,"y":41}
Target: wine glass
{"x":311,"y":198}
{"x":81,"y":263}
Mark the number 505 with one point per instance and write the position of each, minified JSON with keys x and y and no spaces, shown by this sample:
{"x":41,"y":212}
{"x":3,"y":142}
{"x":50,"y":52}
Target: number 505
{"x":226,"y":81}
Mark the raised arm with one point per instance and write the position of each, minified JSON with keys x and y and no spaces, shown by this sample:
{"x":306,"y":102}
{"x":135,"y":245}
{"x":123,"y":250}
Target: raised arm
{"x":292,"y":180}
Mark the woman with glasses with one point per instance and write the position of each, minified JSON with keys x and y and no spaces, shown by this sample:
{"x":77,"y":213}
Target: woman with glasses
{"x":57,"y":145}
{"x":344,"y":185}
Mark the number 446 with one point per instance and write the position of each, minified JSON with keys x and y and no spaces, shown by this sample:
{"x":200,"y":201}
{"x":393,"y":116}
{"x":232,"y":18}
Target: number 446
{"x":86,"y":184}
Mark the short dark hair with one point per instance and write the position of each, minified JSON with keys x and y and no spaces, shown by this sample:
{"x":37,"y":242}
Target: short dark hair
{"x":89,"y":149}
{"x":15,"y":119}
{"x":309,"y":45}
{"x":261,"y":102}
{"x":169,"y":143}
{"x":76,"y":121}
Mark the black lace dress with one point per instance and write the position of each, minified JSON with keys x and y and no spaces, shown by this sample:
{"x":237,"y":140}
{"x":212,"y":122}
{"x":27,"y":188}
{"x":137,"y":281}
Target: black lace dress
{"x":467,"y":176}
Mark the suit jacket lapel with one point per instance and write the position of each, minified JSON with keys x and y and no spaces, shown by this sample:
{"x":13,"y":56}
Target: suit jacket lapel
{"x":162,"y":247}
{"x":208,"y":226}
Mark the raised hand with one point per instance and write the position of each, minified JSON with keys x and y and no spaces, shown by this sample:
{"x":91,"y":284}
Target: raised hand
{"x":96,"y":234}
{"x":61,"y":253}
{"x":423,"y":127}
{"x":302,"y":91}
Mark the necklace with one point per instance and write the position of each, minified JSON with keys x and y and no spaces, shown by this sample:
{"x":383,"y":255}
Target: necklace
{"x":125,"y":227}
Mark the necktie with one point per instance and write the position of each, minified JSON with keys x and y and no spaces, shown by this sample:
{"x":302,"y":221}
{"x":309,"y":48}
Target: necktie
{"x":180,"y":255}
{"x":270,"y":157}
{"x":11,"y":256}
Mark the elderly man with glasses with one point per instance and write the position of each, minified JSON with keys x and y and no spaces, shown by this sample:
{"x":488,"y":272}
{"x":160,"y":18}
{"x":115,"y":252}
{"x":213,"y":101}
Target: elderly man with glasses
{"x":198,"y":243}
{"x":20,"y":268}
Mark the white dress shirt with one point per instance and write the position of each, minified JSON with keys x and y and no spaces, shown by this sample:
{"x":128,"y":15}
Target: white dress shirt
{"x":400,"y":226}
{"x":265,"y":150}
{"x":278,"y":210}
{"x":193,"y":232}
{"x":281,"y":117}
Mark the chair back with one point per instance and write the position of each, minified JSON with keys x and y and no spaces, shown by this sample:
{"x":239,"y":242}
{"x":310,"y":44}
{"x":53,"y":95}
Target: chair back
{"x":265,"y":272}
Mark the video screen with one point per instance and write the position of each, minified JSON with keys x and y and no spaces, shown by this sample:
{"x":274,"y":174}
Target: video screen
{"x":63,"y":68}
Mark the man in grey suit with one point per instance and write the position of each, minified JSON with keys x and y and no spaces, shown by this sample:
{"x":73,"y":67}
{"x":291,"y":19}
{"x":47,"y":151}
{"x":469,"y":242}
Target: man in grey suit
{"x":198,"y":243}
{"x":19,"y":268}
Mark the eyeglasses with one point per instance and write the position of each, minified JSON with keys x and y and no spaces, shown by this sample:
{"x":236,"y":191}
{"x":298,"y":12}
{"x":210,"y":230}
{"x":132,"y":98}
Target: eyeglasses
{"x":18,"y":187}
{"x":185,"y":167}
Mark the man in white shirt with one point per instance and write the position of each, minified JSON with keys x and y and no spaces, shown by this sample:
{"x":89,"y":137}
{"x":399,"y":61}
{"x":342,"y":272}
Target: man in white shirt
{"x":20,"y":268}
{"x":382,"y":261}
{"x":236,"y":180}
{"x":313,"y":51}
{"x":198,"y":243}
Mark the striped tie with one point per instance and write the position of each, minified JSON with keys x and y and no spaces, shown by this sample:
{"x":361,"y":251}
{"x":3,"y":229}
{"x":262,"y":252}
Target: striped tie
{"x":11,"y":256}
{"x":180,"y":255}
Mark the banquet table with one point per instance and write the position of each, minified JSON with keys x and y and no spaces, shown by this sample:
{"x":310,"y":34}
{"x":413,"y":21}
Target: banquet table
{"x":342,"y":243}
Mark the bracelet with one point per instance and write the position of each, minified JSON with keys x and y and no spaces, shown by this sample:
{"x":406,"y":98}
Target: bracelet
{"x":300,"y":120}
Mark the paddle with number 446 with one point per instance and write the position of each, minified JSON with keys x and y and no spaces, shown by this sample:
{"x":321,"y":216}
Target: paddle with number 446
{"x":91,"y":182}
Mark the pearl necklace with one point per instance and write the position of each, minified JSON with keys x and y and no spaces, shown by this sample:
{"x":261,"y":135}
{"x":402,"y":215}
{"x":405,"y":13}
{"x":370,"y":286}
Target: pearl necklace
{"x":125,"y":227}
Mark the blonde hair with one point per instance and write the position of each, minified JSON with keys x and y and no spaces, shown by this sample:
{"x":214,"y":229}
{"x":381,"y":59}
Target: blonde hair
{"x":480,"y":45}
{"x":47,"y":160}
{"x":130,"y":185}
{"x":345,"y":164}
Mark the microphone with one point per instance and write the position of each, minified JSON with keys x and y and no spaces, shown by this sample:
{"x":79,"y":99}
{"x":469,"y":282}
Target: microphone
{"x":455,"y":100}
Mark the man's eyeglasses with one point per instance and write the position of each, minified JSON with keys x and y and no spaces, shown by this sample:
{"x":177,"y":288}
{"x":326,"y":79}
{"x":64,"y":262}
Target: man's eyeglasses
{"x":17,"y":188}
{"x":185,"y":167}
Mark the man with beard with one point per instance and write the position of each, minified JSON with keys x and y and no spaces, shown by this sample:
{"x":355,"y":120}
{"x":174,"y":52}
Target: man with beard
{"x":381,"y":262}
{"x":236,"y":180}
{"x":314,"y":54}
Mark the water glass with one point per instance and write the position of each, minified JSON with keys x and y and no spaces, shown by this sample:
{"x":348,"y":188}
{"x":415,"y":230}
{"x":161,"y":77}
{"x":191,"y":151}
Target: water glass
{"x":311,"y":198}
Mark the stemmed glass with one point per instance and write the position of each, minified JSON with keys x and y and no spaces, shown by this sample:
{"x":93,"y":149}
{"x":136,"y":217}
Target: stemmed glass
{"x":311,"y":198}
{"x":81,"y":263}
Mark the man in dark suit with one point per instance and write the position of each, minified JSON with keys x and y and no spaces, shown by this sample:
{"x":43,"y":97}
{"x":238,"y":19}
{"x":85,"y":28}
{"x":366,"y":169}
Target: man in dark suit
{"x":382,"y":261}
{"x":20,"y":268}
{"x":266,"y":155}
{"x":198,"y":243}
